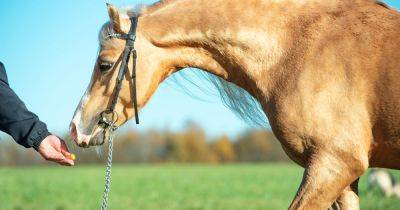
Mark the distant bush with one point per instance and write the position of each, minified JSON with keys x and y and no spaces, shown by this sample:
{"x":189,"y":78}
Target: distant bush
{"x":189,"y":146}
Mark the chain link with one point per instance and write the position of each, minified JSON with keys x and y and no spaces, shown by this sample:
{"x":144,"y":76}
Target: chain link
{"x":109,"y":134}
{"x":109,"y":124}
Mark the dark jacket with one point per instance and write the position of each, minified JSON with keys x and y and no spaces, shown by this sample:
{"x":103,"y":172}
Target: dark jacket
{"x":16,"y":120}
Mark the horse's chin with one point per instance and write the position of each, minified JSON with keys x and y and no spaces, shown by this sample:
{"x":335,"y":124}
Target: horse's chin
{"x":97,"y":137}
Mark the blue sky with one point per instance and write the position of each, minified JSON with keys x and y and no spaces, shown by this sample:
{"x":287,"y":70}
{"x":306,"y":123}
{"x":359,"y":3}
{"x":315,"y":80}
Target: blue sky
{"x":49,"y":49}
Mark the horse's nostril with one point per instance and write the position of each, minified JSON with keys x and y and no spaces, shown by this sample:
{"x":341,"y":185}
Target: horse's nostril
{"x":84,"y":144}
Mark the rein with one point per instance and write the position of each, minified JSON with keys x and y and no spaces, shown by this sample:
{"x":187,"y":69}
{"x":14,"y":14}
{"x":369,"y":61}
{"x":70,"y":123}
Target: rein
{"x":109,"y":117}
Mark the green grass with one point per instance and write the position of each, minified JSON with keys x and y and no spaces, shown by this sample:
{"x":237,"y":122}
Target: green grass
{"x":177,"y":187}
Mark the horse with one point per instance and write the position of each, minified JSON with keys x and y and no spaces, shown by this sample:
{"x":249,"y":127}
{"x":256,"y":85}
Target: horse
{"x":384,"y":181}
{"x":325,"y":73}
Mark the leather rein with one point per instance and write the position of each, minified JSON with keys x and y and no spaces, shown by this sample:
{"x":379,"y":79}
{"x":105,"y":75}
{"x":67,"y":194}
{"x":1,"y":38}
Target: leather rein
{"x":109,"y":117}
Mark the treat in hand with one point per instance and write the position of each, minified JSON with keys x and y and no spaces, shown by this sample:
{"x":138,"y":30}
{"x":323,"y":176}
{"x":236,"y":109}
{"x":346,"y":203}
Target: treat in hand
{"x":72,"y":157}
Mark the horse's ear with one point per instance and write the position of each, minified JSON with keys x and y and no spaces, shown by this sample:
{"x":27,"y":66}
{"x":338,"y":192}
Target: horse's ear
{"x":115,"y":18}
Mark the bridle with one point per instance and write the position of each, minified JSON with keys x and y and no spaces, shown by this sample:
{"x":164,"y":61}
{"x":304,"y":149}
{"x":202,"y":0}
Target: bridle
{"x":109,"y":117}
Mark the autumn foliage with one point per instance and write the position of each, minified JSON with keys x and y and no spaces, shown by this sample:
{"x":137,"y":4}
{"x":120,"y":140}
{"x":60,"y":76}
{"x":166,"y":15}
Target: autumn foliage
{"x":188,"y":146}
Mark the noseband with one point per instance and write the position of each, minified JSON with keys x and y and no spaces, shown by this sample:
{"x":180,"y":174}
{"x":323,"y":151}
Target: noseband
{"x":109,"y":117}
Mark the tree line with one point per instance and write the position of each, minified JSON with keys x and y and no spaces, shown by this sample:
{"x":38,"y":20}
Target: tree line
{"x":188,"y":146}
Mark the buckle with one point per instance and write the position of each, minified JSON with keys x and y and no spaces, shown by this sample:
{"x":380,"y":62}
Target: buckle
{"x":108,"y":119}
{"x":131,"y":37}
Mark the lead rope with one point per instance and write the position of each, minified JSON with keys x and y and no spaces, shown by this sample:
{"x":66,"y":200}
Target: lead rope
{"x":110,"y":126}
{"x":107,"y":184}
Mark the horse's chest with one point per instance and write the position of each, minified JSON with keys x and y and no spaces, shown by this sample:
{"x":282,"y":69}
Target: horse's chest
{"x":305,"y":122}
{"x":288,"y":129}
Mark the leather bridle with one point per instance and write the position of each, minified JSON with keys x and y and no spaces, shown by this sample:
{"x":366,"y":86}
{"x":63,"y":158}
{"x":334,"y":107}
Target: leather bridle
{"x":109,"y":117}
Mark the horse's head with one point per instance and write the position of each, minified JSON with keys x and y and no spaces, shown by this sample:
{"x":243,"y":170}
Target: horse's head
{"x":151,"y":69}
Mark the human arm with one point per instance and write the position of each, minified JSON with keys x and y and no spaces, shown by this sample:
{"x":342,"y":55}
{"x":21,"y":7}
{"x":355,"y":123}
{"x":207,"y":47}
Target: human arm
{"x":25,"y":127}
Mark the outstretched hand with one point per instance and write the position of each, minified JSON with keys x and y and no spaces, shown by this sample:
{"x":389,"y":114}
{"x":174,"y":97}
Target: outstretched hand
{"x":54,"y":149}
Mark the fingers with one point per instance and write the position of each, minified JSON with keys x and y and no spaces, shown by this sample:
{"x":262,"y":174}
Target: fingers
{"x":68,"y":160}
{"x":60,"y":159}
{"x":64,"y":161}
{"x":54,"y":149}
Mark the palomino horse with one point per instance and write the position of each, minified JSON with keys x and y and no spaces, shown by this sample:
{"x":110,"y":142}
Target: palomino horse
{"x":326,"y":74}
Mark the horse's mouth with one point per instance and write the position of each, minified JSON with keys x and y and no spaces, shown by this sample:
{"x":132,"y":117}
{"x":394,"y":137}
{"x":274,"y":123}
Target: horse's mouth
{"x":94,"y":139}
{"x":97,"y":136}
{"x":92,"y":135}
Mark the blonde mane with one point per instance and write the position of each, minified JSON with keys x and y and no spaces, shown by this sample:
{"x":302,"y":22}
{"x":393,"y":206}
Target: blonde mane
{"x":238,"y":100}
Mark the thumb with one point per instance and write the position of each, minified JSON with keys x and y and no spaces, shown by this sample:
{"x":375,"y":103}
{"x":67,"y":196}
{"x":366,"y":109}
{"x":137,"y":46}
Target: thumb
{"x":62,"y":160}
{"x":64,"y":149}
{"x":69,"y":161}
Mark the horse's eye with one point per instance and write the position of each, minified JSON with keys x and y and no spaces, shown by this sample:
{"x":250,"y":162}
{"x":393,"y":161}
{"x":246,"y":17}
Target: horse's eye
{"x":105,"y":66}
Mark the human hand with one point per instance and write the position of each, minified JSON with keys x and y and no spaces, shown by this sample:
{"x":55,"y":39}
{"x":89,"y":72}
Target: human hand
{"x":54,"y":149}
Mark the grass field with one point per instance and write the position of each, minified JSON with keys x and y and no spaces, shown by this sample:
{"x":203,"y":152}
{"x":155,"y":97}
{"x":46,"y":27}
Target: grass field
{"x":171,"y":187}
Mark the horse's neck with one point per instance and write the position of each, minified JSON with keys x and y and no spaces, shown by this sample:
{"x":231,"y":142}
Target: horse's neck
{"x":231,"y":39}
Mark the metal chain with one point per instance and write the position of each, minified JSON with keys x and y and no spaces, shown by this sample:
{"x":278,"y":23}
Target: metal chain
{"x":108,"y":133}
{"x":109,"y":124}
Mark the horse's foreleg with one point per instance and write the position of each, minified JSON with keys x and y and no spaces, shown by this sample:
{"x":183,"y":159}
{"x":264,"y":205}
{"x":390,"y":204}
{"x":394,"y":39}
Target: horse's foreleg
{"x":326,"y":177}
{"x":348,"y":199}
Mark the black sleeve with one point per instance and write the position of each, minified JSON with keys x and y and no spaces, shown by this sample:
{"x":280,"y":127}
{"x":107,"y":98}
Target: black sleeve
{"x":16,"y":120}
